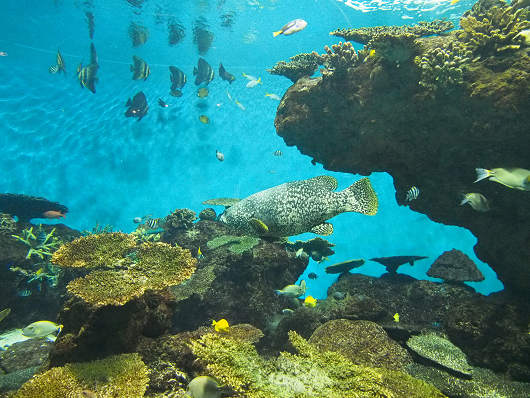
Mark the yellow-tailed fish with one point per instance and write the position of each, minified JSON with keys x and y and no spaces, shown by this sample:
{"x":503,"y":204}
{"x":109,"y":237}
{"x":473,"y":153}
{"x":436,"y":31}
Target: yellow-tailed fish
{"x":292,"y":290}
{"x":254,"y":83}
{"x":477,"y":201}
{"x":273,"y":96}
{"x":515,"y":178}
{"x":203,"y":387}
{"x":41,"y":329}
{"x":396,"y":317}
{"x":291,"y":27}
{"x":221,"y":325}
{"x":310,"y":301}
{"x":199,"y":253}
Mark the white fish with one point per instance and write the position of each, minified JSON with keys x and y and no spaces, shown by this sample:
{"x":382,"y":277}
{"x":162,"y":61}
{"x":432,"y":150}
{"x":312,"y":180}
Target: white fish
{"x":253,"y":83}
{"x":219,"y":155}
{"x":412,"y":193}
{"x":291,"y":27}
{"x":249,"y":77}
{"x":273,"y":96}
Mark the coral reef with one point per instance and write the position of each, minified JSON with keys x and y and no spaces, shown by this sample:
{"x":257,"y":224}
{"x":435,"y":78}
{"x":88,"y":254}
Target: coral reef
{"x":121,"y":376}
{"x":455,"y":266}
{"x":365,"y":35}
{"x":207,"y":214}
{"x":339,"y":59}
{"x":7,"y":224}
{"x":41,"y":244}
{"x":441,"y":351}
{"x":362,"y":342}
{"x":178,"y":220}
{"x":308,"y":373}
{"x":236,"y":244}
{"x":491,"y":27}
{"x":301,"y":65}
{"x":27,"y":207}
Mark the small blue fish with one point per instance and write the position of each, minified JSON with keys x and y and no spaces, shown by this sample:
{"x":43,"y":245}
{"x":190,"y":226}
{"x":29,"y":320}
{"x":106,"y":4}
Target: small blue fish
{"x":412,"y":193}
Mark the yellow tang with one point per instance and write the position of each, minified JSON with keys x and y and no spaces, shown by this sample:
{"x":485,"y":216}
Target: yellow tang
{"x":310,"y":301}
{"x":202,"y":92}
{"x":204,"y":119}
{"x":221,"y":325}
{"x":396,"y":317}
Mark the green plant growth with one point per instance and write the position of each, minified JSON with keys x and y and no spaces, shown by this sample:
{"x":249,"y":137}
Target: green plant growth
{"x":119,"y":376}
{"x":309,"y":372}
{"x":236,"y":244}
{"x":40,"y":243}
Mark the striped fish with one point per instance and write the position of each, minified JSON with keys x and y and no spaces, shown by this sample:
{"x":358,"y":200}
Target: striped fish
{"x":153,"y":223}
{"x":53,"y":69}
{"x":412,"y":193}
{"x":140,"y":69}
{"x":60,"y":63}
{"x":278,"y":153}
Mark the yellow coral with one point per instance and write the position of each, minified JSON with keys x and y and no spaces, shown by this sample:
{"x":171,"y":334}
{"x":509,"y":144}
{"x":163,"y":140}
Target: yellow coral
{"x":119,"y":376}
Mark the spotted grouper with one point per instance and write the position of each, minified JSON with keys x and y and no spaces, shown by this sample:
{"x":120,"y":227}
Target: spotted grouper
{"x":296,"y":207}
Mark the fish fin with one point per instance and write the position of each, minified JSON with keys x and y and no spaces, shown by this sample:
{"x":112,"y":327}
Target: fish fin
{"x":302,"y":284}
{"x":322,"y":229}
{"x":279,"y":32}
{"x":361,"y":197}
{"x":482,"y":174}
{"x":259,"y":226}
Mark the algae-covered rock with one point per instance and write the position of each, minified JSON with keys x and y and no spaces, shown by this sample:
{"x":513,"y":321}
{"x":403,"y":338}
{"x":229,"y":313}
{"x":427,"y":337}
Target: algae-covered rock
{"x":120,"y":376}
{"x":236,"y":244}
{"x":362,"y":342}
{"x":440,"y":351}
{"x":455,"y":266}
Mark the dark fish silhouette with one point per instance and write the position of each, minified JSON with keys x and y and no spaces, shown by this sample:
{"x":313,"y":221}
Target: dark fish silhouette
{"x":175,"y":33}
{"x":90,"y":23}
{"x":140,"y":69}
{"x":138,"y":34}
{"x":137,"y":106}
{"x":392,"y":263}
{"x":345,"y":266}
{"x":202,"y":36}
{"x":87,"y":75}
{"x":312,"y":275}
{"x":178,"y":80}
{"x":203,"y":72}
{"x":225,"y":75}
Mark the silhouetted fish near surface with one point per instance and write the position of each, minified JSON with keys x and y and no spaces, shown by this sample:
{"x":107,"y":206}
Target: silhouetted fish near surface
{"x":345,"y":266}
{"x":140,"y":69}
{"x":87,"y":75}
{"x":162,"y":103}
{"x":178,"y":80}
{"x":203,"y":72}
{"x":225,"y":75}
{"x":90,"y":23}
{"x":138,"y":34}
{"x":202,"y":36}
{"x":137,"y":106}
{"x":392,"y":263}
{"x":175,"y":33}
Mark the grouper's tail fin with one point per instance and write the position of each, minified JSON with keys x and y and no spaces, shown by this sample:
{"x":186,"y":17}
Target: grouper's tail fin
{"x":361,"y":197}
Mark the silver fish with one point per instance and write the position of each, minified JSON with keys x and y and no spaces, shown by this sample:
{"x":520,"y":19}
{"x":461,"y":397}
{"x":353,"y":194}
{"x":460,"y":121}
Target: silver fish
{"x":299,"y":206}
{"x":412,"y":193}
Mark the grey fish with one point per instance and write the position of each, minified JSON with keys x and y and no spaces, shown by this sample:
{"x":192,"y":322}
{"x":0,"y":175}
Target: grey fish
{"x":203,"y":72}
{"x":178,"y":80}
{"x":392,"y":263}
{"x":299,"y":206}
{"x":137,"y":106}
{"x":140,"y":69}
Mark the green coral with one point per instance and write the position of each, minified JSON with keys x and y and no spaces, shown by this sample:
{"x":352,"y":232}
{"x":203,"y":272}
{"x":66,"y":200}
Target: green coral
{"x":93,"y":251}
{"x":41,"y":243}
{"x":199,"y":284}
{"x":442,"y":69}
{"x":301,"y":65}
{"x":366,"y":35}
{"x":494,"y":27}
{"x":236,"y":244}
{"x":129,"y":270}
{"x":120,"y":376}
{"x":308,"y":373}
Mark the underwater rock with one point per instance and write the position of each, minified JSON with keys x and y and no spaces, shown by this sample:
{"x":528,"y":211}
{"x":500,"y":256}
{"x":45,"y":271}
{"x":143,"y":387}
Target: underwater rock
{"x":25,"y":354}
{"x":376,"y":115}
{"x":455,"y":266}
{"x":441,"y":351}
{"x":362,"y":342}
{"x":301,"y":65}
{"x":207,"y":214}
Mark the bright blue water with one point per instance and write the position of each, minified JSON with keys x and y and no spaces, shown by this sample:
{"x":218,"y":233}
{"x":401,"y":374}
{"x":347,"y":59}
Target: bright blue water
{"x":66,"y":144}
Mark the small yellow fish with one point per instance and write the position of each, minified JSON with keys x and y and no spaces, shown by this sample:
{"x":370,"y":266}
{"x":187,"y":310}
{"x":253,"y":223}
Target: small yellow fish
{"x":453,"y":2}
{"x":396,"y":317}
{"x":515,"y":178}
{"x":204,"y":119}
{"x":202,"y":92}
{"x":310,"y":301}
{"x":199,"y":254}
{"x":41,"y":329}
{"x":221,"y":325}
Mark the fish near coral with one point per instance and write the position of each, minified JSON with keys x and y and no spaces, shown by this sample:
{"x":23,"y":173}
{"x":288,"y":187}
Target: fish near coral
{"x":203,"y":387}
{"x":477,"y":201}
{"x":515,"y":178}
{"x":293,"y":291}
{"x":53,"y":214}
{"x":221,"y":325}
{"x":310,"y":302}
{"x":298,"y":206}
{"x":41,"y":329}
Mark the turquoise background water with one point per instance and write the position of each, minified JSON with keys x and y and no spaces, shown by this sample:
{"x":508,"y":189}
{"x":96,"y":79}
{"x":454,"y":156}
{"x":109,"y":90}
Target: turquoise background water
{"x":66,"y":144}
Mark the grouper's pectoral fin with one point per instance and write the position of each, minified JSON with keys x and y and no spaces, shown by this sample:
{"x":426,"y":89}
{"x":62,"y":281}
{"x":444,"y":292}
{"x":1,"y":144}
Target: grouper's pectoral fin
{"x":322,"y":229}
{"x":259,"y":226}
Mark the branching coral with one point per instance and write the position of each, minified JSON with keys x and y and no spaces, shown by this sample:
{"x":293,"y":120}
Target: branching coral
{"x":309,"y":373}
{"x":300,"y":65}
{"x":93,"y":251}
{"x":120,"y":376}
{"x":129,"y":270}
{"x":443,"y":69}
{"x":365,"y":35}
{"x":41,"y":243}
{"x":490,"y":28}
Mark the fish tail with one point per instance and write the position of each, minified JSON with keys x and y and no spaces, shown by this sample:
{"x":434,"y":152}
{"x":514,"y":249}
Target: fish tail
{"x":361,"y":197}
{"x":482,"y":174}
{"x":465,"y":199}
{"x":279,"y":32}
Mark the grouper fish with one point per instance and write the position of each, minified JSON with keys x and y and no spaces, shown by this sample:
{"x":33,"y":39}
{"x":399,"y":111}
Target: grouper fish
{"x":297,"y":207}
